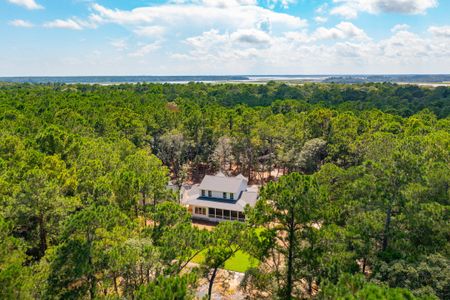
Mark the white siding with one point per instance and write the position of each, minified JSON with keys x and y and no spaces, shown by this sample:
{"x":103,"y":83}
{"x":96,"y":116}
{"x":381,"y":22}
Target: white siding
{"x":219,"y":194}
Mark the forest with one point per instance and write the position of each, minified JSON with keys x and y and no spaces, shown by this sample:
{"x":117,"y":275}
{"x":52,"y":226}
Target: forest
{"x":354,"y":198}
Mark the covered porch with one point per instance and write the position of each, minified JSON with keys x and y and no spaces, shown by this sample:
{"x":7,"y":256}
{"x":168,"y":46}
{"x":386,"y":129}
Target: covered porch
{"x":215,"y":214}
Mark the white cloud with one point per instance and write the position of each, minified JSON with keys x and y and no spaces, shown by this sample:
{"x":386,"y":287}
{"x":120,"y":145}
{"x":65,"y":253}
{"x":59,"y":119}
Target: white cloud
{"x":21,"y":23}
{"x":346,"y":11}
{"x":404,"y":44}
{"x":400,"y":27}
{"x":28,"y":4}
{"x":150,"y":31}
{"x":251,"y":36}
{"x":320,"y":19}
{"x":350,"y":8}
{"x":229,"y":50}
{"x":264,"y":25}
{"x":230,"y":37}
{"x":213,"y":45}
{"x":442,"y":31}
{"x":119,"y":44}
{"x":250,"y":25}
{"x":297,"y":37}
{"x":231,"y":15}
{"x":73,"y":23}
{"x":146,"y":49}
{"x":283,"y":3}
{"x":297,"y":52}
{"x":343,"y":30}
{"x":207,"y":40}
{"x":226,"y":3}
{"x":322,"y":9}
{"x":64,"y":24}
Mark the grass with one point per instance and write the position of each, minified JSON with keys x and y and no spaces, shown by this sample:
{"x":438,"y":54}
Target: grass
{"x":240,"y":262}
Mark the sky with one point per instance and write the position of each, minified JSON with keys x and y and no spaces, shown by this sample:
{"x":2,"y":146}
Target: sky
{"x":223,"y":37}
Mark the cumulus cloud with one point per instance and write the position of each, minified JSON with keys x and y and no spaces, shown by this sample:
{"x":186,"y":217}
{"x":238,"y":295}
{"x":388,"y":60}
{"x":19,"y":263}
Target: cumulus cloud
{"x":203,"y":20}
{"x":297,"y":36}
{"x":21,"y":23}
{"x":150,"y":31}
{"x":213,"y":45}
{"x":343,"y":30}
{"x":322,"y":9}
{"x":230,"y":3}
{"x":283,"y":3}
{"x":73,"y":23}
{"x":64,"y":24}
{"x":403,"y":6}
{"x":350,"y":8}
{"x":231,"y":15}
{"x":28,"y":4}
{"x":442,"y":31}
{"x":225,"y":3}
{"x":400,"y":27}
{"x":146,"y":49}
{"x":344,"y":48}
{"x":230,"y":50}
{"x":251,"y":36}
{"x":347,"y":11}
{"x":320,"y":19}
{"x":238,"y":36}
{"x":404,"y":44}
{"x":207,"y":40}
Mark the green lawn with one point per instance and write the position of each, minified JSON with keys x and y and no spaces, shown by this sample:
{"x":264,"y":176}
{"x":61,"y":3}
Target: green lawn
{"x":240,"y":262}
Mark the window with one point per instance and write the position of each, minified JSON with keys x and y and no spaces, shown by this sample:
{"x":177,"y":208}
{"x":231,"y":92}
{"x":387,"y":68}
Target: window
{"x":224,"y":195}
{"x":241,"y":216}
{"x":209,"y":194}
{"x":203,"y":193}
{"x":211,"y":213}
{"x":233,"y":215}
{"x":226,"y":214}
{"x":231,"y":196}
{"x":219,"y":213}
{"x":200,"y":210}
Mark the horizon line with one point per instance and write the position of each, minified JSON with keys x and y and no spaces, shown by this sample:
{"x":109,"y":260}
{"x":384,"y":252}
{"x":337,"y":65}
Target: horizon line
{"x":230,"y":75}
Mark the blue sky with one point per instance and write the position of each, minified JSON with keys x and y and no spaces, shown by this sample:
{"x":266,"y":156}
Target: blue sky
{"x":190,"y":37}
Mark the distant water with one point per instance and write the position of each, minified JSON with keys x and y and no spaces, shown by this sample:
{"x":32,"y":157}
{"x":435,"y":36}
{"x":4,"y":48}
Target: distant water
{"x":121,"y":79}
{"x":413,"y":78}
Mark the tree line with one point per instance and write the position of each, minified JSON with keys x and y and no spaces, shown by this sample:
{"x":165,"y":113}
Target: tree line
{"x":361,"y":208}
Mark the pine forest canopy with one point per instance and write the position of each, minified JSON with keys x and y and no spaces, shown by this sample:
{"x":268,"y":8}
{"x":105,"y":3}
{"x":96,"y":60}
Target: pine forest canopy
{"x":359,"y":208}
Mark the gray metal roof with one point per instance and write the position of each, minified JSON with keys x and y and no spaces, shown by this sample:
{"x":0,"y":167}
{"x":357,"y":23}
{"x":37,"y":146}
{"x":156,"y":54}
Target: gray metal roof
{"x":248,"y":198}
{"x":214,"y":204}
{"x":221,"y":184}
{"x":240,"y":176}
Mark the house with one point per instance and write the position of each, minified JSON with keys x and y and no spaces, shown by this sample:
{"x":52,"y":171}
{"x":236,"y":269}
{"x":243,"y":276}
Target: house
{"x":218,"y":198}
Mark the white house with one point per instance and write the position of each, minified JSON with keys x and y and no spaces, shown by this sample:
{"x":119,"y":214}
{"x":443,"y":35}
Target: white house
{"x":218,"y":198}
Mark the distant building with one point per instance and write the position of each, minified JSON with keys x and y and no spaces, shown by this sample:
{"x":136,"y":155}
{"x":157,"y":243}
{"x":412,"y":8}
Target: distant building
{"x":218,"y":198}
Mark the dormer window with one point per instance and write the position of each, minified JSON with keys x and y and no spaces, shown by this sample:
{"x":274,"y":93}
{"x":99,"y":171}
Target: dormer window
{"x":203,"y":193}
{"x":224,"y":195}
{"x":209,"y":194}
{"x":231,"y":196}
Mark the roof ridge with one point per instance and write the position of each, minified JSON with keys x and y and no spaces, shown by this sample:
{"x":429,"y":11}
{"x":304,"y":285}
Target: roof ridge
{"x":227,"y":177}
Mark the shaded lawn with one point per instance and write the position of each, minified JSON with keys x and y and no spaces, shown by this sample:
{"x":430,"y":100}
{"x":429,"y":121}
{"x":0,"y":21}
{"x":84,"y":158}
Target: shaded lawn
{"x":240,"y":262}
